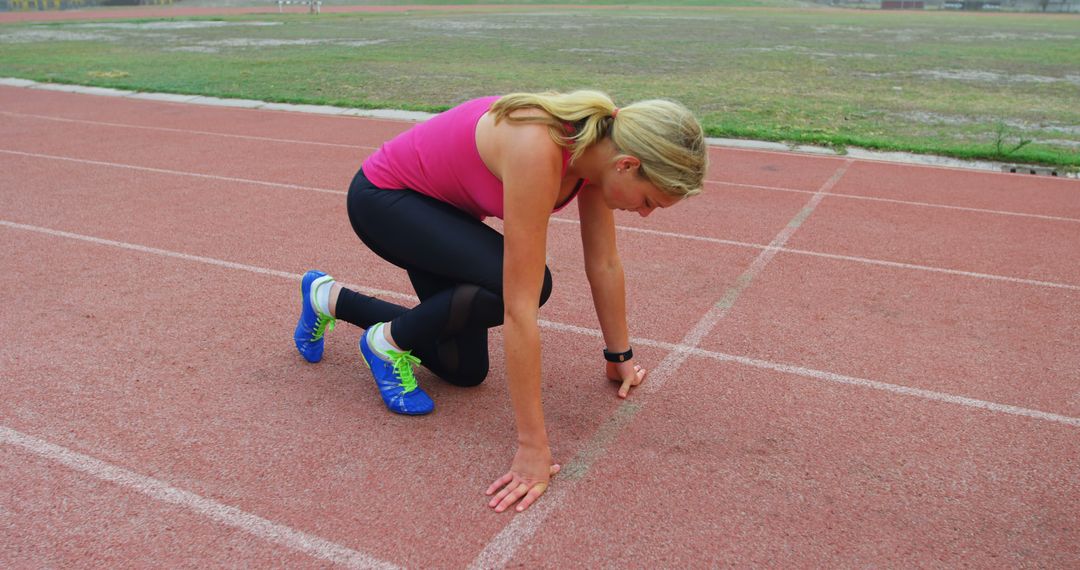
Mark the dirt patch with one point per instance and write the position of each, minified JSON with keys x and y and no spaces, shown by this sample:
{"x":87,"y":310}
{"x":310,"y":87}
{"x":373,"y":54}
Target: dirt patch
{"x":974,"y":75}
{"x":602,"y":51}
{"x":357,"y":43}
{"x":194,"y":49}
{"x":476,"y":26}
{"x":893,"y":34}
{"x":108,"y":74}
{"x":848,"y":55}
{"x":830,"y":28}
{"x":100,"y":32}
{"x":771,"y":49}
{"x":32,"y":36}
{"x":1061,"y":142}
{"x":1069,"y":130}
{"x":698,"y":18}
{"x":216,"y":46}
{"x":258,"y":43}
{"x":807,"y":51}
{"x":192,"y":25}
{"x":1008,"y":36}
{"x":993,"y":77}
{"x":934,"y":118}
{"x":1024,"y":126}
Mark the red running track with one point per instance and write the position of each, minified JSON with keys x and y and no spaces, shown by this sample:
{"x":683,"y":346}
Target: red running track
{"x":893,"y":383}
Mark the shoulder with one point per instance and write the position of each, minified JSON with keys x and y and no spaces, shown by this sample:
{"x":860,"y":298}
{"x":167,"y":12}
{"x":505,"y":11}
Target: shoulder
{"x":516,"y":146}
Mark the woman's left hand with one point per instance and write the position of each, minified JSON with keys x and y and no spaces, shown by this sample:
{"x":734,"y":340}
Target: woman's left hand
{"x":628,"y":373}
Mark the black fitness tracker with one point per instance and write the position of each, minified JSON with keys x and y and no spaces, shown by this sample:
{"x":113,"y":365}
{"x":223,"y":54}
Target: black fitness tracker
{"x":618,"y":356}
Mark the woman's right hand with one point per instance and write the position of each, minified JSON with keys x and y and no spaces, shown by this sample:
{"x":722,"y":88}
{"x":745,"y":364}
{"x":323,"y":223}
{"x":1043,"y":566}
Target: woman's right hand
{"x":527,"y":479}
{"x":628,"y":374}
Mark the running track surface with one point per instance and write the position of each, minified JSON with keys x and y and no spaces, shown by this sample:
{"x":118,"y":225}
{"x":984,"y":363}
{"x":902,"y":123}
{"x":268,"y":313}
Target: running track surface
{"x":853,"y":364}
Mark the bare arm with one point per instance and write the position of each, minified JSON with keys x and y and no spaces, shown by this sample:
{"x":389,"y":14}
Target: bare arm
{"x":530,"y":191}
{"x":607,"y":281}
{"x":604,"y":269}
{"x":531,"y":169}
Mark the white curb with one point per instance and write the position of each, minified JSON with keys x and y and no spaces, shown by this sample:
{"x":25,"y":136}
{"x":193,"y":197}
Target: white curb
{"x":415,"y":116}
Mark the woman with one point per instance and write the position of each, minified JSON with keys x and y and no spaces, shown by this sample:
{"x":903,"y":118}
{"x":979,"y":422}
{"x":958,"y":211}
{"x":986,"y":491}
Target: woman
{"x":419,"y":202}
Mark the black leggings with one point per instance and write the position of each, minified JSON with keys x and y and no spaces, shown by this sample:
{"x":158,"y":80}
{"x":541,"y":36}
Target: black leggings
{"x":455,"y":263}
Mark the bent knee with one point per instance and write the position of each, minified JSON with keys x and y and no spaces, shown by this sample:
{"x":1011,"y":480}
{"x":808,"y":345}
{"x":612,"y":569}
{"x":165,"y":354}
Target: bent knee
{"x":468,"y":379}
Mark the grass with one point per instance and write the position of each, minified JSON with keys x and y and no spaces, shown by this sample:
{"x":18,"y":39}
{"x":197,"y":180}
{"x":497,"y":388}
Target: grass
{"x":962,"y":85}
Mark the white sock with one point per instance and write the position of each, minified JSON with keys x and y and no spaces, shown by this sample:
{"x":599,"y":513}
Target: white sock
{"x":377,"y":341}
{"x":322,"y":288}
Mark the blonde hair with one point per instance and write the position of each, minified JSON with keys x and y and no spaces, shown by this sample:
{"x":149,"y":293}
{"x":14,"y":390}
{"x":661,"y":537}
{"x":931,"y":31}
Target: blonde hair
{"x":662,"y":134}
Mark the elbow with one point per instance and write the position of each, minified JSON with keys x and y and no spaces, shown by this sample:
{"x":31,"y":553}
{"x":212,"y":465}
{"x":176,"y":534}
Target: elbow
{"x":601,"y":271}
{"x":520,"y":318}
{"x":521,"y":332}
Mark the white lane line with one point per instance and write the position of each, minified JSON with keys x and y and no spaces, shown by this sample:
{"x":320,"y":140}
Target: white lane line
{"x":960,"y":208}
{"x":195,"y":258}
{"x":851,"y":258}
{"x":173,"y":172}
{"x":501,"y":549}
{"x":562,"y":327}
{"x":894,"y":388}
{"x":830,"y":376}
{"x":904,"y":202}
{"x":186,"y":131}
{"x":231,"y":516}
{"x":721,"y":308}
{"x":933,"y":269}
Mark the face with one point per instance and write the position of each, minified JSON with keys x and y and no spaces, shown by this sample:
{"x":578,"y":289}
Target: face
{"x":625,"y":190}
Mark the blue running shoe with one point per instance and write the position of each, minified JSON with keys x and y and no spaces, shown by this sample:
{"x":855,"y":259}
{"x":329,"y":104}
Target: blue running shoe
{"x":396,"y":381}
{"x":312,"y":325}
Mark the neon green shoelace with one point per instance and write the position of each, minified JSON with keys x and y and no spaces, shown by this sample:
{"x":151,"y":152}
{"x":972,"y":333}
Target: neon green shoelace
{"x":403,"y":363}
{"x":324,"y":325}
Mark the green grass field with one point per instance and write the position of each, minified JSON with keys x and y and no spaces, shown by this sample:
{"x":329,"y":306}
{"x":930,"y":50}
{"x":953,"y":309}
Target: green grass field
{"x":956,"y":84}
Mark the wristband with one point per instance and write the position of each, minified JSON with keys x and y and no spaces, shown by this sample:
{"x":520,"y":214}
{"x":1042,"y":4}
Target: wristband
{"x":618,"y":356}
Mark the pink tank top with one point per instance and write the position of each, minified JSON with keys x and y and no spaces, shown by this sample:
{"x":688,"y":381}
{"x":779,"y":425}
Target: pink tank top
{"x":439,"y":158}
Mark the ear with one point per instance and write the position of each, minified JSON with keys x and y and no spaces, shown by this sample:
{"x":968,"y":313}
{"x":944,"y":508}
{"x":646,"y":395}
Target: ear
{"x":627,"y":162}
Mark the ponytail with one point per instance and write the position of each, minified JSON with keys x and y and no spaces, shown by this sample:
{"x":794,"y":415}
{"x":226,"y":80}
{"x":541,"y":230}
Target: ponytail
{"x":575,"y":120}
{"x":662,"y":134}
